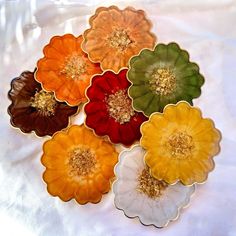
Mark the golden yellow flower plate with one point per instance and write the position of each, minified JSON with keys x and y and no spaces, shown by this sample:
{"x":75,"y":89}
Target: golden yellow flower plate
{"x":78,"y":164}
{"x":180,"y":144}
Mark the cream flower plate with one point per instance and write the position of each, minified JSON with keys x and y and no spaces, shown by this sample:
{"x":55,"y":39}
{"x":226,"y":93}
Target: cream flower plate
{"x":140,"y":195}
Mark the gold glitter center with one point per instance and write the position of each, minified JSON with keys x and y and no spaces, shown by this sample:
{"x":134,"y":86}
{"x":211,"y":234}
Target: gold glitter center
{"x":150,"y":186}
{"x":44,"y":102}
{"x":74,"y":66}
{"x":163,"y":81}
{"x":119,"y":39}
{"x":119,"y":106}
{"x":180,"y":145}
{"x":81,"y":161}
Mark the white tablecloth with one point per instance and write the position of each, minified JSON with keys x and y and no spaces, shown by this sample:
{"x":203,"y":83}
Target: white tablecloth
{"x":207,"y":29}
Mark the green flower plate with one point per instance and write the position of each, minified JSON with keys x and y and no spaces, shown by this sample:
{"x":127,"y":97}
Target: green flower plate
{"x":163,"y":76}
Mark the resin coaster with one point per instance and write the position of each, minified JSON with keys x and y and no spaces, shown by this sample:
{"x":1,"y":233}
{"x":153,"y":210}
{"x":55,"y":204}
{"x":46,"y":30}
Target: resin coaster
{"x":180,"y":144}
{"x":162,"y":77}
{"x":65,"y":69}
{"x":117,"y":35}
{"x":33,"y":109}
{"x":138,"y":194}
{"x":78,"y":165}
{"x":109,"y":110}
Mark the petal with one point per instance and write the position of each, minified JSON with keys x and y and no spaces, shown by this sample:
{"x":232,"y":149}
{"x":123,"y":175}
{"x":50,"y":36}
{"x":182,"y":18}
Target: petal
{"x":187,"y":70}
{"x":50,"y":79}
{"x":128,"y":174}
{"x":196,"y":117}
{"x":172,"y":174}
{"x":95,"y":119}
{"x":56,"y":42}
{"x":122,"y":79}
{"x":56,"y":187}
{"x":195,"y":80}
{"x":142,"y":103}
{"x":107,"y":171}
{"x":94,"y":107}
{"x":193,"y":91}
{"x":102,"y":128}
{"x":116,"y":17}
{"x":53,"y":53}
{"x":99,"y":54}
{"x":125,"y":186}
{"x":101,"y":19}
{"x":54,"y":161}
{"x":52,"y":147}
{"x":140,"y":66}
{"x":204,"y":165}
{"x":93,"y":44}
{"x":186,"y":174}
{"x":127,"y":135}
{"x":112,"y":82}
{"x":41,"y":126}
{"x":204,"y":126}
{"x":183,"y":110}
{"x":160,"y":218}
{"x":69,"y":43}
{"x":136,"y":91}
{"x":154,"y":105}
{"x":149,"y":138}
{"x":114,"y":132}
{"x":95,"y":93}
{"x":51,"y":175}
{"x":81,"y":194}
{"x":76,"y":90}
{"x":76,"y":135}
{"x":173,"y":52}
{"x":63,"y":140}
{"x":123,"y":201}
{"x":170,"y":113}
{"x":183,"y":59}
{"x":67,"y":193}
{"x":161,"y":169}
{"x":148,"y":57}
{"x":135,"y":124}
{"x":161,"y":52}
{"x":47,"y":64}
{"x":101,"y":183}
{"x":94,"y":195}
{"x":138,"y":78}
{"x":141,"y":26}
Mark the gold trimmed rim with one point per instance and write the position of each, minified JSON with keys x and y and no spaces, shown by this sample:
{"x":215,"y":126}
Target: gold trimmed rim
{"x":183,"y":206}
{"x":211,"y":156}
{"x":100,"y":9}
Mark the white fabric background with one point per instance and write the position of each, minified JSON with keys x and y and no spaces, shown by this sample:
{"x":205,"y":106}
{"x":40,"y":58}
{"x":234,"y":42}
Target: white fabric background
{"x":206,"y":28}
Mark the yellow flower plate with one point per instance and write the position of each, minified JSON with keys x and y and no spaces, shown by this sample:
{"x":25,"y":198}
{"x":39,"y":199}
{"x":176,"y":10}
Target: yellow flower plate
{"x":180,"y":144}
